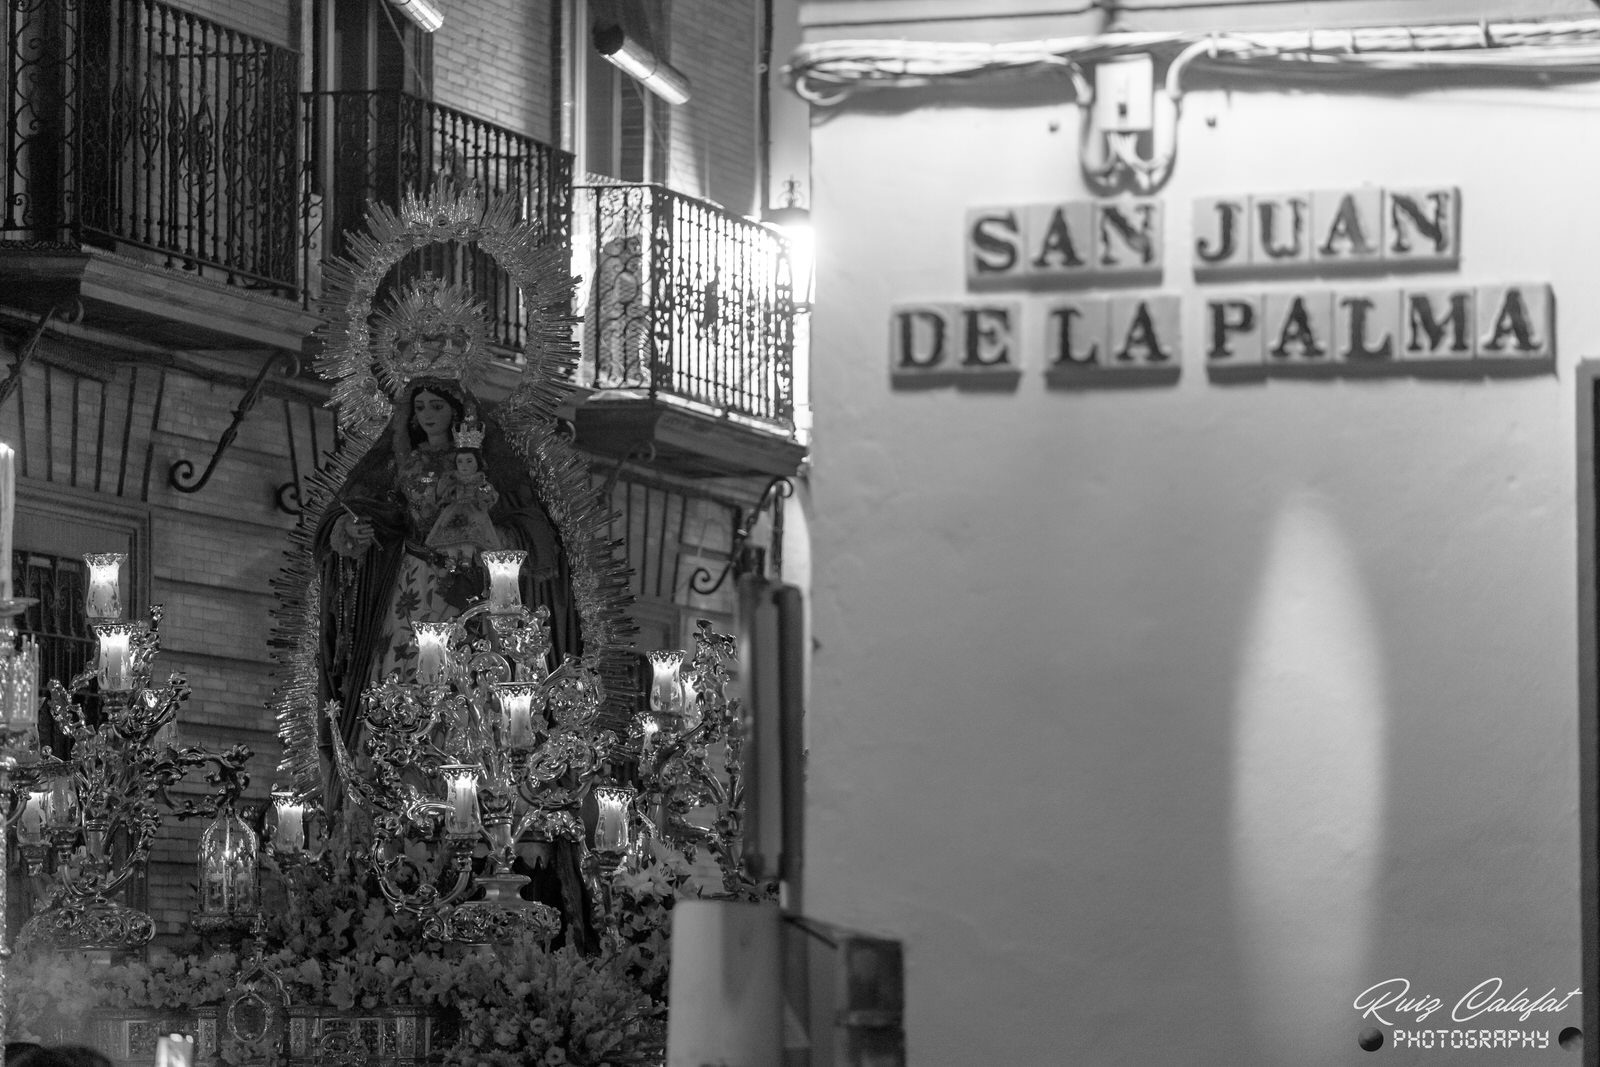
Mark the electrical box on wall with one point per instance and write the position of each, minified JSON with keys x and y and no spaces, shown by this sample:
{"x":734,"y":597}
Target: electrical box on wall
{"x":853,"y":997}
{"x":1124,"y":94}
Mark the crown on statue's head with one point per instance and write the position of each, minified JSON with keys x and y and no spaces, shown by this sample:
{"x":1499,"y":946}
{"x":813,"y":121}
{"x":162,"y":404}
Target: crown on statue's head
{"x":433,"y":329}
{"x":470,"y":435}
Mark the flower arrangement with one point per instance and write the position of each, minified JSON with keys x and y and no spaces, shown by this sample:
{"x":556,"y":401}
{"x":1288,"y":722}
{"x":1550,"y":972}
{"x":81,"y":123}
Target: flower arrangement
{"x":336,"y":945}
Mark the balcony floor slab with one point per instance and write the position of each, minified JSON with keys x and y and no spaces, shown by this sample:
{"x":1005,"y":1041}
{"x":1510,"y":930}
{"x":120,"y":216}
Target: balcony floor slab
{"x":151,"y":303}
{"x":684,"y":440}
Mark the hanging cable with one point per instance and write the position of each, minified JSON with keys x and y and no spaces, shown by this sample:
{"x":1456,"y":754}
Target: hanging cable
{"x":827,"y":73}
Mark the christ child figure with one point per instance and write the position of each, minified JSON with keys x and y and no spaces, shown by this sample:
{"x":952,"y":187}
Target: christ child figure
{"x":463,"y":528}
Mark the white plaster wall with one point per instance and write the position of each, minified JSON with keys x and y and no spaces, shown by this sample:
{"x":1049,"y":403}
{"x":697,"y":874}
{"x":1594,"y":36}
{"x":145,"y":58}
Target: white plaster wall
{"x":1161,"y":722}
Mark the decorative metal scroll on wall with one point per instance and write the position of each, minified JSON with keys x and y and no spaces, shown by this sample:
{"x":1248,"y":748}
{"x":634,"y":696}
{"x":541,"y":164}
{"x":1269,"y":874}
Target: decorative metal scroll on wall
{"x":310,"y":444}
{"x":99,"y":428}
{"x":683,"y":545}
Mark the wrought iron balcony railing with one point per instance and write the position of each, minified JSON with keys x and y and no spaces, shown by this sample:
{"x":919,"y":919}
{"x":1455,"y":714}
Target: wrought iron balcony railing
{"x":138,"y":126}
{"x":682,"y":298}
{"x":380,"y":145}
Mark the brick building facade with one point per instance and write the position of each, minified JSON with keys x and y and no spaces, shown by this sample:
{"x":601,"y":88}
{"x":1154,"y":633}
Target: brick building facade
{"x":165,"y":352}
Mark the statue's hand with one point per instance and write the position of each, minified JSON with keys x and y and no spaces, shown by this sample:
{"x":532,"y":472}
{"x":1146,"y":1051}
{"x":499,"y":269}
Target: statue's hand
{"x":351,"y":535}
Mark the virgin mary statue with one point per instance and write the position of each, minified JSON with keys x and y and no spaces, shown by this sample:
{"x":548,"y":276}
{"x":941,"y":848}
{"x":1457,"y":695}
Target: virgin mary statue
{"x":379,"y":573}
{"x":418,"y":442}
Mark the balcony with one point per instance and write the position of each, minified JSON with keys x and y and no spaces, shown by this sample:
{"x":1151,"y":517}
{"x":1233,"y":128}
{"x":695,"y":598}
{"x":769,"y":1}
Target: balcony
{"x":163,"y":171}
{"x":146,"y":156}
{"x":377,"y":146}
{"x":688,"y":333}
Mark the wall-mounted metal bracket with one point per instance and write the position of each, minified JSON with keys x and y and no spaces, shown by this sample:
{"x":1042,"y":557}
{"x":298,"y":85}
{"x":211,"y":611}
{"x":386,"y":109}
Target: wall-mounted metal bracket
{"x":742,"y":556}
{"x":71,"y":311}
{"x":288,"y":498}
{"x":181,"y":474}
{"x":642,"y":451}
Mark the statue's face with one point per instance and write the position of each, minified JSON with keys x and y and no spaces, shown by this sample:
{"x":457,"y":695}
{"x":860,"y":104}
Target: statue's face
{"x":433,"y":414}
{"x":466,"y":463}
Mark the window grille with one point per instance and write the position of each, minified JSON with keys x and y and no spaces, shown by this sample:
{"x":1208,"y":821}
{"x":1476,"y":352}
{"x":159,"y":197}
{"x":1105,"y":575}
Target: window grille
{"x":56,"y":623}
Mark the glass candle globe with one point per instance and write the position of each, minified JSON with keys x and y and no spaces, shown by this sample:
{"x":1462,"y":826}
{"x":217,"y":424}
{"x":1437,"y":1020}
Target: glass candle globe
{"x":103,"y":600}
{"x":504,"y":565}
{"x":666,"y":692}
{"x":611,"y":826}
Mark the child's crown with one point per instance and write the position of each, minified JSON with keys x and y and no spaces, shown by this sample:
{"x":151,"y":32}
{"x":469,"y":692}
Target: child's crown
{"x":470,"y":435}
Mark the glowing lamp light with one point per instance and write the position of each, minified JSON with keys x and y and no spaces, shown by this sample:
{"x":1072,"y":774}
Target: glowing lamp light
{"x":505,"y":595}
{"x":516,"y":710}
{"x":289,"y":821}
{"x":461,"y":783}
{"x":433,"y":650}
{"x":611,"y":827}
{"x":794,"y":222}
{"x":666,"y":692}
{"x":116,"y":656}
{"x":104,"y":599}
{"x":31,"y":823}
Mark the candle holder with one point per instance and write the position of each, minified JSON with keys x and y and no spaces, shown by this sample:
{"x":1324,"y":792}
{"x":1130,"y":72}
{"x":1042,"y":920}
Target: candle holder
{"x":85,"y":824}
{"x":288,"y":822}
{"x":516,"y":703}
{"x":483,"y":748}
{"x":433,"y":651}
{"x":115,"y":671}
{"x":690,"y":771}
{"x":23,"y":802}
{"x":666,"y":692}
{"x":504,"y":565}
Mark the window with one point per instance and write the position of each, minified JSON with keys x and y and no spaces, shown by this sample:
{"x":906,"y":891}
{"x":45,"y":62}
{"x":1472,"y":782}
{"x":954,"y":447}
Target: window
{"x":51,"y":536}
{"x":50,"y":539}
{"x":621,"y":129}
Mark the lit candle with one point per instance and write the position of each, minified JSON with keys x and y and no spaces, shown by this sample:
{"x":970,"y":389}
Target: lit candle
{"x":666,"y":695}
{"x":104,"y":599}
{"x":691,"y":701}
{"x":228,"y":866}
{"x":611,"y":827}
{"x":649,"y":727}
{"x":462,"y":783}
{"x":31,"y":823}
{"x":61,"y":809}
{"x":433,"y":650}
{"x":516,"y":709}
{"x":8,"y":515}
{"x":116,"y":658}
{"x":291,"y":821}
{"x":504,"y":565}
